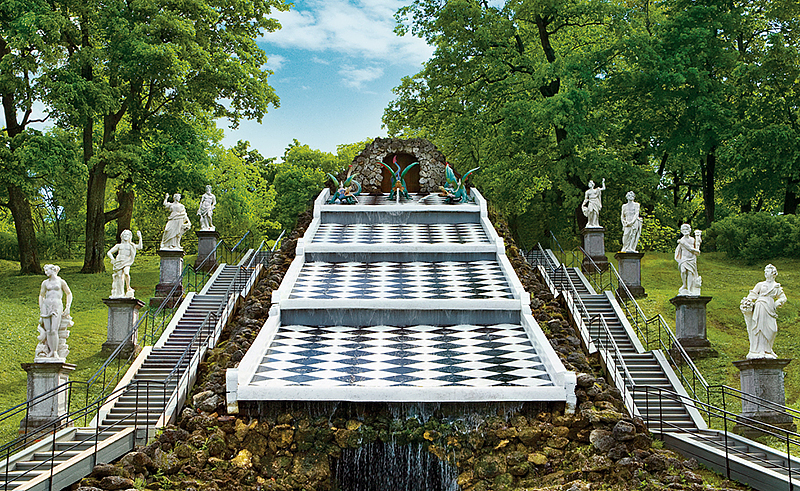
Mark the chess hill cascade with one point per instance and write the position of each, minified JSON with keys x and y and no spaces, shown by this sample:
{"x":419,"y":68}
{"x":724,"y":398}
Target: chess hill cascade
{"x":372,"y":446}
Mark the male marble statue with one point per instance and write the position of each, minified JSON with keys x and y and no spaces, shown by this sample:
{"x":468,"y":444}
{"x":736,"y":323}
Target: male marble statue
{"x":206,"y":210}
{"x":177,"y":223}
{"x":126,"y":254}
{"x":592,"y":204}
{"x":54,"y":318}
{"x":686,"y":255}
{"x":631,"y":224}
{"x":760,"y":313}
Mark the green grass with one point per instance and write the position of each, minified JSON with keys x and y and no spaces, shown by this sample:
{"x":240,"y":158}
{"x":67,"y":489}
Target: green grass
{"x":19,"y":316}
{"x":727,"y":281}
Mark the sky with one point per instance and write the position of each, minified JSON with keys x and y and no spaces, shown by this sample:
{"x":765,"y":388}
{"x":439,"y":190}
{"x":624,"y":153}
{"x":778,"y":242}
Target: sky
{"x":335,"y":63}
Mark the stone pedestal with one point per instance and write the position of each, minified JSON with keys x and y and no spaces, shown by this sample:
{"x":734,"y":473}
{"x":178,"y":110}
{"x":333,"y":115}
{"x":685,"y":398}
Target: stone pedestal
{"x":206,"y":248}
{"x":123,"y":313}
{"x":595,"y":247}
{"x":45,"y":376}
{"x":630,"y":271}
{"x":690,"y":325}
{"x":169,"y":276}
{"x":763,"y":378}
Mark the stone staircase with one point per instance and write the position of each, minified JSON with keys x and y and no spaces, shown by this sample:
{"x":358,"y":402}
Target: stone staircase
{"x":146,"y":398}
{"x":658,"y":395}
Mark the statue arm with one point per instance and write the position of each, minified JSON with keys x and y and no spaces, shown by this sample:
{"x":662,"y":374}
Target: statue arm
{"x":111,"y":252}
{"x":166,"y":202}
{"x":68,"y":293}
{"x":603,"y":185}
{"x":139,"y":246}
{"x":781,"y":298}
{"x":42,"y":293}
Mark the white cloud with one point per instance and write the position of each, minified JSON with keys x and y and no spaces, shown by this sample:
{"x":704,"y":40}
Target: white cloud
{"x":275,"y":62}
{"x":357,"y":77}
{"x":357,"y":28}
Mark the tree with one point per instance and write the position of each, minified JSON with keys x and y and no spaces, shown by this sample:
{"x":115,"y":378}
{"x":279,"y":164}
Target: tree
{"x":29,"y":33}
{"x":131,"y":66}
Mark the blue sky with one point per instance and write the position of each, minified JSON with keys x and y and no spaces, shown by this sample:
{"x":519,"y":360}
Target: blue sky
{"x":335,"y":63}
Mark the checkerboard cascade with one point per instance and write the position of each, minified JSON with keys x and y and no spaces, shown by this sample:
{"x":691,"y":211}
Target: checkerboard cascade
{"x":412,"y":233}
{"x":409,"y":302}
{"x":413,"y":280}
{"x":416,"y":356}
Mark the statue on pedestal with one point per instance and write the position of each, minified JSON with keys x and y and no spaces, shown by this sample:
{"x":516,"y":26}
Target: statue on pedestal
{"x":206,"y":209}
{"x":126,"y":254}
{"x":177,"y":223}
{"x":686,"y":256}
{"x":631,"y":224}
{"x":592,"y":204}
{"x":54,"y":319}
{"x":760,"y":314}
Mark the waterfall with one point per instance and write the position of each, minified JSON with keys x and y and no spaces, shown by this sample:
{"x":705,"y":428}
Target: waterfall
{"x":391,"y":467}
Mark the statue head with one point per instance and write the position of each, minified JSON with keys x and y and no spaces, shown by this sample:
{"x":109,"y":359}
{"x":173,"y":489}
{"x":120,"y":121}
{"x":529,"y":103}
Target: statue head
{"x":208,"y":188}
{"x":770,"y":272}
{"x":48,"y":268}
{"x":686,"y":229}
{"x":630,"y":196}
{"x":591,"y":184}
{"x":126,"y":235}
{"x":176,"y":197}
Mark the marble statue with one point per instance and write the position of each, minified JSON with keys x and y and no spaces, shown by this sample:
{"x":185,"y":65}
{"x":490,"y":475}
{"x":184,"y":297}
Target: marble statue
{"x":686,"y":256}
{"x":177,"y":223}
{"x":54,"y":318}
{"x":760,"y":313}
{"x":126,"y":254}
{"x":631,"y":224}
{"x":206,"y":210}
{"x":592,"y":204}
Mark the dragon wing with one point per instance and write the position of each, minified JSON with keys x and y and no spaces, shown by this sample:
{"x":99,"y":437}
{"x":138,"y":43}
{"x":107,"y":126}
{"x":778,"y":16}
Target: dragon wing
{"x":406,"y":169}
{"x":464,"y":178}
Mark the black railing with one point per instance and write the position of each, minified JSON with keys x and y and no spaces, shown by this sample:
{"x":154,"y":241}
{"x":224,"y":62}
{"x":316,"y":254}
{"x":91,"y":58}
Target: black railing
{"x":51,"y":431}
{"x":785,"y":463}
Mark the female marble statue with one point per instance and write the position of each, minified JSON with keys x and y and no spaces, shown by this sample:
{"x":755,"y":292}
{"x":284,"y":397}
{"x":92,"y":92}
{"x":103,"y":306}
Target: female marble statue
{"x":206,"y":210}
{"x":177,"y":223}
{"x":54,"y":319}
{"x":592,"y":204}
{"x":126,"y":254}
{"x":631,"y":224}
{"x":760,"y":314}
{"x":686,"y":255}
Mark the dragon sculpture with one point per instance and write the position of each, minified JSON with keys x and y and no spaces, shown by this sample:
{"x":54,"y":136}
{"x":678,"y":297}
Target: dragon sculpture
{"x":347,"y":190}
{"x":399,"y":188}
{"x":454,"y":190}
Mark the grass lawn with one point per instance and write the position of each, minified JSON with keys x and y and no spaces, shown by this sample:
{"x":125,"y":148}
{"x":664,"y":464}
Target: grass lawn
{"x":19,"y":316}
{"x":727,"y":281}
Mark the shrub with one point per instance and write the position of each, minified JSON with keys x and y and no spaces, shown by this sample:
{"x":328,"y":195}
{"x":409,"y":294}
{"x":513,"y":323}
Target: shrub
{"x":755,"y":236}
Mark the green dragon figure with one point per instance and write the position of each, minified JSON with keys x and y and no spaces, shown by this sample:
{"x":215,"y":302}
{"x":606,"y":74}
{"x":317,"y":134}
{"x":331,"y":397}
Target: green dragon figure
{"x":454,"y":190}
{"x":398,"y":182}
{"x":347,"y":190}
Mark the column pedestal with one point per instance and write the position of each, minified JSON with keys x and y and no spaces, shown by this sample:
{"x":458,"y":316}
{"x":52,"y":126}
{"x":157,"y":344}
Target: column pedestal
{"x":595,"y":247}
{"x":206,"y":248}
{"x":123,"y":313}
{"x":690,"y":325}
{"x":630,"y":270}
{"x":44,"y":376}
{"x":762,"y":378}
{"x":169,"y":276}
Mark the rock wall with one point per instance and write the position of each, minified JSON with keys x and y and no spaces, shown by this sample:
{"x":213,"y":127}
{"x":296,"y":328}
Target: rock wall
{"x":431,"y":162}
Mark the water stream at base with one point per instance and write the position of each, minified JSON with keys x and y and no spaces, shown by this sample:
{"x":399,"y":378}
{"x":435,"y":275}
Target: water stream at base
{"x":391,"y":467}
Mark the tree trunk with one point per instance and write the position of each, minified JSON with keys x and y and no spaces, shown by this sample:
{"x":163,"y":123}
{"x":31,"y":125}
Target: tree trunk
{"x":95,"y":221}
{"x":26,"y":234}
{"x":791,"y":199}
{"x":709,"y":170}
{"x":125,"y":198}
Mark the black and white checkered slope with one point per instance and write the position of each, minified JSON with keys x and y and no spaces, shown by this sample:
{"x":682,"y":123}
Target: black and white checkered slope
{"x":412,"y":280}
{"x":416,"y":356}
{"x":410,"y":233}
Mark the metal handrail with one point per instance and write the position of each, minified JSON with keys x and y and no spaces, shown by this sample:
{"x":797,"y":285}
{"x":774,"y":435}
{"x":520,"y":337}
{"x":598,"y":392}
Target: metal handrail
{"x":787,"y":436}
{"x":627,"y":384}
